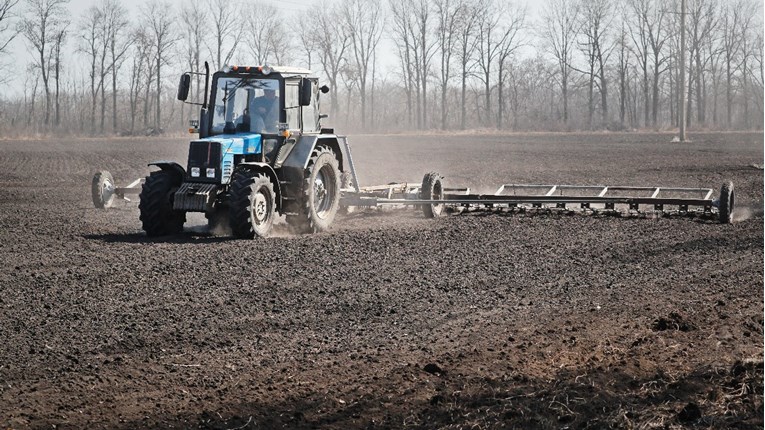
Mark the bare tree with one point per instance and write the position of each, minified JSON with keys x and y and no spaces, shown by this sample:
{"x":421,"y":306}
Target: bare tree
{"x":267,"y":37}
{"x":118,"y":42}
{"x":90,"y":46}
{"x":141,"y":67}
{"x":407,"y":47}
{"x":365,"y":23}
{"x":412,"y":26}
{"x":8,"y":32}
{"x":622,"y":70}
{"x":423,"y":27}
{"x":308,"y":35}
{"x":41,"y":25}
{"x":449,"y":13}
{"x":466,"y":43}
{"x":58,"y":42}
{"x":507,"y":45}
{"x":29,"y":101}
{"x":227,"y":31}
{"x":596,"y":22}
{"x":735,"y":22}
{"x":649,"y":35}
{"x":194,"y":20}
{"x":560,"y":29}
{"x":332,"y":43}
{"x":702,"y":23}
{"x":158,"y":19}
{"x":757,"y":74}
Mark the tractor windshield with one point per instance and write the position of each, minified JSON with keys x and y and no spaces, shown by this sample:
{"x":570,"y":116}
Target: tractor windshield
{"x":246,"y":105}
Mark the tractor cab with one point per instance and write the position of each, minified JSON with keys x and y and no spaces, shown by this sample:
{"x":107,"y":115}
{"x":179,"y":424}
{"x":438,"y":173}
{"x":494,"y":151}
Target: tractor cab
{"x":270,"y":101}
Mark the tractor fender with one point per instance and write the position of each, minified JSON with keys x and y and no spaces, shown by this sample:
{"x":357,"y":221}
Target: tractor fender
{"x":268,"y":170}
{"x":293,"y":168}
{"x":301,"y":153}
{"x":172,"y":167}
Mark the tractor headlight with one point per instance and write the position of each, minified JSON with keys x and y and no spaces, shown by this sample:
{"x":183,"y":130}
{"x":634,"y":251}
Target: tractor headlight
{"x":195,"y":172}
{"x":266,"y":69}
{"x":210,"y":173}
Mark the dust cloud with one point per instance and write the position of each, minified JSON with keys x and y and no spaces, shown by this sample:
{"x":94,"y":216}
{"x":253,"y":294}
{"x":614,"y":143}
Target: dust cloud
{"x":744,"y":213}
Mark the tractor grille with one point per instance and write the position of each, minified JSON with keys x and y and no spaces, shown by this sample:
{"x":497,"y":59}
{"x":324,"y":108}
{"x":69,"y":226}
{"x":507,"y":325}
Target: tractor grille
{"x":204,"y":155}
{"x":195,"y":197}
{"x":228,"y":167}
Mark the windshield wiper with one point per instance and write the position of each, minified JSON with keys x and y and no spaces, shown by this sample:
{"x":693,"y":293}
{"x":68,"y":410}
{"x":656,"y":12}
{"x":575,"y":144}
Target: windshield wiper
{"x":242,"y":82}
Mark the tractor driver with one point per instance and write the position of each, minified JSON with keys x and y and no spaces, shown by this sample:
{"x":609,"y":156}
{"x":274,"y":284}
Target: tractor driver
{"x":264,"y":111}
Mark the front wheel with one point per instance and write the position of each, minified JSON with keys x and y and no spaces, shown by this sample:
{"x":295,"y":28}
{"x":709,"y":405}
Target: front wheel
{"x":321,"y":193}
{"x":252,"y":205}
{"x":157,"y":215}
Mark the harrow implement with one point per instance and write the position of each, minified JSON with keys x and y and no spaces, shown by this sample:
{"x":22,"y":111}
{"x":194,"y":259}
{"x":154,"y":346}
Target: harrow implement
{"x":435,"y":199}
{"x":508,"y":197}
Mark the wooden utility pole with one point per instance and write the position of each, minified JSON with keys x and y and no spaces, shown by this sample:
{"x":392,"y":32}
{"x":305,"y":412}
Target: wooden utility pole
{"x":683,"y":102}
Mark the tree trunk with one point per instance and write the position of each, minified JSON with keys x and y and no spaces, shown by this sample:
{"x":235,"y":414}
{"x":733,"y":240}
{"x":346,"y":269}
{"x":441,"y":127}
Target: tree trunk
{"x":443,"y":105}
{"x":463,"y":96}
{"x":158,"y":119}
{"x":700,"y":103}
{"x":655,"y":95}
{"x":500,"y":101}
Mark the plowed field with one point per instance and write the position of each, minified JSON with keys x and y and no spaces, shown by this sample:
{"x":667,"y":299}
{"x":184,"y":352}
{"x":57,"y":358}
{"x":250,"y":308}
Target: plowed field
{"x":388,"y":320}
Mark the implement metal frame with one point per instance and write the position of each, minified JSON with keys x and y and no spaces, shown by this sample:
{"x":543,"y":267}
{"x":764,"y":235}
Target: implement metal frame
{"x":535,"y":196}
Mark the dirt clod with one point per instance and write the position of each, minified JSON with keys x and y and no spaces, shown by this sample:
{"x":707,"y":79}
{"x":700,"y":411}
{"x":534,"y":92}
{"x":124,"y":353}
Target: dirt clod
{"x":675,"y":321}
{"x":691,"y":412}
{"x":433,"y":368}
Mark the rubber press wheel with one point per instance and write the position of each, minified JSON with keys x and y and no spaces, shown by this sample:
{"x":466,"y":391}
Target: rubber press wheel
{"x":102,"y":189}
{"x":432,"y":189}
{"x":252,"y":205}
{"x":726,"y":203}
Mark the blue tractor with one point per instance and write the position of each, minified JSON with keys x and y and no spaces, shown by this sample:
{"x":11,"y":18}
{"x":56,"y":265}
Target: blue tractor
{"x":261,"y":151}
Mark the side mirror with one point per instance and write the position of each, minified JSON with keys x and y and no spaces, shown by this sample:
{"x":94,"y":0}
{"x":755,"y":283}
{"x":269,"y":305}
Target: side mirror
{"x":324,"y":89}
{"x":183,"y":87}
{"x":305,"y":92}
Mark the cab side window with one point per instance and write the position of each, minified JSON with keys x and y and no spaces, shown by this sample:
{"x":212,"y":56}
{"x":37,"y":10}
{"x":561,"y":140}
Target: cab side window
{"x":292,"y":105}
{"x":311,"y":112}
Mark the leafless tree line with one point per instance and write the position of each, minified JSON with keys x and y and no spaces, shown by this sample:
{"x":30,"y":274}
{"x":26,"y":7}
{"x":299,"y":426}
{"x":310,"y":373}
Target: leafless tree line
{"x":394,"y":65}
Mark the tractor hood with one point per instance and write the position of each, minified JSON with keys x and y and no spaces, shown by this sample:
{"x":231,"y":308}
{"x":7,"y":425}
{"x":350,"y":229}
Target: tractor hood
{"x":215,"y":154}
{"x":237,"y":144}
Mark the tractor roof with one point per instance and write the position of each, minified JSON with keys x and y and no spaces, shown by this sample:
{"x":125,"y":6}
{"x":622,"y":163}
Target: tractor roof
{"x":282,"y":70}
{"x":291,"y":70}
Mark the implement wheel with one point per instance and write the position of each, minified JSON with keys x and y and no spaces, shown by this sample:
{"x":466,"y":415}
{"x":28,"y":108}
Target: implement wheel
{"x":157,"y":215}
{"x":432,"y":189}
{"x":321,"y":193}
{"x":726,"y":203}
{"x":253,"y":202}
{"x":102,"y":189}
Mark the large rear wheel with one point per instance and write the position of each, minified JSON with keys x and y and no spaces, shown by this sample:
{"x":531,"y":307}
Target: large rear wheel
{"x":157,"y":215}
{"x":252,"y":205}
{"x":321,"y":193}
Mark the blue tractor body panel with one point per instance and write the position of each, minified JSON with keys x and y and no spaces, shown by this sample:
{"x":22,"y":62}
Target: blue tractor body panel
{"x":232,"y":145}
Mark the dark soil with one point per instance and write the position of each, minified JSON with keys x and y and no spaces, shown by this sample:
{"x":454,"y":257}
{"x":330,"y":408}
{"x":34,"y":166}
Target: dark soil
{"x":389,"y":320}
